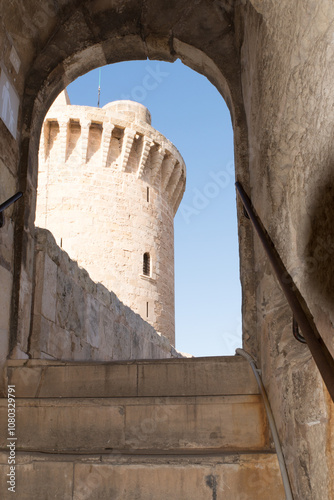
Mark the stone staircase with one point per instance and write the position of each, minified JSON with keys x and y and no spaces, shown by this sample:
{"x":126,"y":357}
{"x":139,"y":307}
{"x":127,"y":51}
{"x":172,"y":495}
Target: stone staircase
{"x":176,"y":429}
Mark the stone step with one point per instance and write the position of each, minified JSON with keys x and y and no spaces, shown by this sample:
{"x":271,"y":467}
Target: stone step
{"x":158,"y":424}
{"x":101,"y":477}
{"x":226,"y":375}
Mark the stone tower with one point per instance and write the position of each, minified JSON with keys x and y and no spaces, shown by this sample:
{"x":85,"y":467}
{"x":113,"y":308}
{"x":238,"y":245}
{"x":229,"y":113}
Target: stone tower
{"x":109,"y":186}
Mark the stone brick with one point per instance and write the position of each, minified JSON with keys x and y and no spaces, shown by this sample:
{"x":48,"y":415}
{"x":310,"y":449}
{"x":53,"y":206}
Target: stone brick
{"x":240,"y":477}
{"x":36,"y":479}
{"x":161,"y":424}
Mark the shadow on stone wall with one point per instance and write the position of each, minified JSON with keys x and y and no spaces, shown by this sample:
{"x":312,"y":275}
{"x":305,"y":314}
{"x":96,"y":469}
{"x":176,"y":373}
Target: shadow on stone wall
{"x":78,"y":319}
{"x":319,"y":256}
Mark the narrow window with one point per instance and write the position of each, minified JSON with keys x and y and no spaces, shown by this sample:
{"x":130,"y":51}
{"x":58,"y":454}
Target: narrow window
{"x":148,"y":194}
{"x":146,"y":309}
{"x":146,"y":264}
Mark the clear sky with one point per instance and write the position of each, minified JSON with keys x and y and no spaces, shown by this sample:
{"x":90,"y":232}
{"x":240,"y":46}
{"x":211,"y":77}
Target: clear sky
{"x":189,"y":111}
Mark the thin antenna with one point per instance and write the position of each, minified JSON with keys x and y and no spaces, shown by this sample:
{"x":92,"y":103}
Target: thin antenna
{"x":99,"y":92}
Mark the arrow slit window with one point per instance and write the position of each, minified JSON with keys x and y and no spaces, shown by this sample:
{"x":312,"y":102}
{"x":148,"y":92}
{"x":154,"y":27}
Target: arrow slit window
{"x":146,"y":264}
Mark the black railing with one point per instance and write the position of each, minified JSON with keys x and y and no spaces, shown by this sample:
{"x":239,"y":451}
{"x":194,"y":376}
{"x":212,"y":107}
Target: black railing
{"x":302,"y":316}
{"x":295,"y":331}
{"x":6,"y":204}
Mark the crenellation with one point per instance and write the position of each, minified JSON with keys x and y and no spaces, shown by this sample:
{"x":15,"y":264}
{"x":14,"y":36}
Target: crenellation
{"x":179,"y":199}
{"x":63,"y":137}
{"x":147,"y":144}
{"x":53,"y":134}
{"x":85,"y":127}
{"x":94,"y":140}
{"x":167,"y":170}
{"x":178,"y":191}
{"x":106,"y":142}
{"x":173,"y":181}
{"x":74,"y":138}
{"x":128,"y":140}
{"x":114,"y":153}
{"x":43,"y":147}
{"x":134,"y":156}
{"x":157,"y":157}
{"x":120,"y":145}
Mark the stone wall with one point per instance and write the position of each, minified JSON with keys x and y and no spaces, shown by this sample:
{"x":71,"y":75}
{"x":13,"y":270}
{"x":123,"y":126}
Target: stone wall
{"x":9,"y":152}
{"x":77,"y":319}
{"x":273,"y":64}
{"x":287,"y":75}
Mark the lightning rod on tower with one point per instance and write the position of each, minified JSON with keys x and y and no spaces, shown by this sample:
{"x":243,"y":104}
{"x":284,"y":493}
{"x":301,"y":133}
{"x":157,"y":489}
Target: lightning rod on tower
{"x":99,"y":91}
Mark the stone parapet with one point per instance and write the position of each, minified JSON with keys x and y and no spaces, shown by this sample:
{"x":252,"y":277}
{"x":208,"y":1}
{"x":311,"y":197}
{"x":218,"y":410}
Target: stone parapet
{"x":77,"y":319}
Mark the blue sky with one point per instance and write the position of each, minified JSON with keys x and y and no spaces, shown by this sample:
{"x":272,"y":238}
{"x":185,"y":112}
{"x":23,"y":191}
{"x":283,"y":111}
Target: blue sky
{"x":189,"y":111}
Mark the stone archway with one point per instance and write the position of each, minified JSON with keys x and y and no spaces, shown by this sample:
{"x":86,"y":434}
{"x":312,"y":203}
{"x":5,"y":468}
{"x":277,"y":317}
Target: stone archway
{"x":80,"y":38}
{"x":272,"y":62}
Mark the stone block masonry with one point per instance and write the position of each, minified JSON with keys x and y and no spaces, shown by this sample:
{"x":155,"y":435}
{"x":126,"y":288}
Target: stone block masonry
{"x":273,"y":62}
{"x":77,"y":319}
{"x":109,"y":186}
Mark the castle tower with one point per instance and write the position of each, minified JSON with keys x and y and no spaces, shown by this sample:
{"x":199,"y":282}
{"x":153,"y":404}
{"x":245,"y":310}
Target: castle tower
{"x":109,"y":186}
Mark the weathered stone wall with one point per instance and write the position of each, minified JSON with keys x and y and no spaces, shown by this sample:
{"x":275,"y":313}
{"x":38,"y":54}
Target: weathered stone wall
{"x":109,"y":186}
{"x":273,"y":63}
{"x":77,"y":319}
{"x":287,"y":59}
{"x":9,"y":152}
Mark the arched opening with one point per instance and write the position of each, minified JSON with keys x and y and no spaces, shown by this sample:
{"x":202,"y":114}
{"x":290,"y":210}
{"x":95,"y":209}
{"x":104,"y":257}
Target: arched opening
{"x":188,"y":110}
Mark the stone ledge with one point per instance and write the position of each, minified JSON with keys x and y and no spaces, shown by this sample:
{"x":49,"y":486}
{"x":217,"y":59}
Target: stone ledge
{"x":149,"y":423}
{"x":250,"y":476}
{"x":169,"y":377}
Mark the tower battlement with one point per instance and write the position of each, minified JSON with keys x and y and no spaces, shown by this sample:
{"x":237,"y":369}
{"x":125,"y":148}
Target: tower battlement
{"x":89,"y":133}
{"x":109,"y":186}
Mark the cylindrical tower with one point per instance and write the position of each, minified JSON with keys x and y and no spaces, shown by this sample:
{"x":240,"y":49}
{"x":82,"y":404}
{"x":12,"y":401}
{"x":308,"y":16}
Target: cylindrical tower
{"x":109,"y":186}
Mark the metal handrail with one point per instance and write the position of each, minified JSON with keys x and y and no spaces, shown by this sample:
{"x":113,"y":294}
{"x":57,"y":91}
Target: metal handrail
{"x":301,"y":313}
{"x":295,"y":331}
{"x":272,"y":424}
{"x":10,"y":200}
{"x":6,"y":204}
